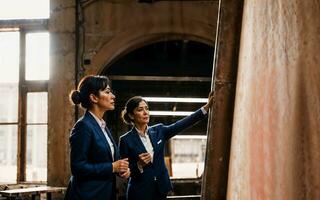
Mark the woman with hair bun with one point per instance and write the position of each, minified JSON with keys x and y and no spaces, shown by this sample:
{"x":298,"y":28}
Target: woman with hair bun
{"x":94,"y":156}
{"x":144,"y":146}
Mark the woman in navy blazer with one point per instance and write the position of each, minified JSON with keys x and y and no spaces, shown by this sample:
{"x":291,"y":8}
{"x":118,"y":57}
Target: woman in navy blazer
{"x":144,"y":146}
{"x":94,"y":156}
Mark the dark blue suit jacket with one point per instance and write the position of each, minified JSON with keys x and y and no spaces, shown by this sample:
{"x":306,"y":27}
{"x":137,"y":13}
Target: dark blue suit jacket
{"x":91,"y":162}
{"x":154,"y":182}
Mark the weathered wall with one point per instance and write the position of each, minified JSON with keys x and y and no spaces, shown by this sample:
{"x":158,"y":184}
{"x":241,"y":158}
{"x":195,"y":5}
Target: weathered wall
{"x":276,"y":133}
{"x":114,"y":29}
{"x":61,"y":113}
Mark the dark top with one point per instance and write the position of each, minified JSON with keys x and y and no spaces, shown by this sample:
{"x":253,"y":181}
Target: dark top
{"x":91,"y":162}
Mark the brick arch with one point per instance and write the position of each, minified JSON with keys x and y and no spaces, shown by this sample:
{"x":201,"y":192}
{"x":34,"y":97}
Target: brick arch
{"x":135,"y":38}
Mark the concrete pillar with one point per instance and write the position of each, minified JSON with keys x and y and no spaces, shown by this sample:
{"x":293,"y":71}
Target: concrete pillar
{"x":62,"y":80}
{"x":275,"y":151}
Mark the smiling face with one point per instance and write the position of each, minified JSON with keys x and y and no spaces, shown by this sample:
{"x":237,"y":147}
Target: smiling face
{"x":106,"y":99}
{"x":140,"y":114}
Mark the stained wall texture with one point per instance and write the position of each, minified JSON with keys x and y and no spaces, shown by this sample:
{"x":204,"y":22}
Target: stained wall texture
{"x":114,"y":28}
{"x":62,"y":81}
{"x":275,"y":151}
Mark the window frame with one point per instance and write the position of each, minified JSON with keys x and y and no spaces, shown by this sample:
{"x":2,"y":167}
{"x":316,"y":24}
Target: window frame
{"x":24,"y":26}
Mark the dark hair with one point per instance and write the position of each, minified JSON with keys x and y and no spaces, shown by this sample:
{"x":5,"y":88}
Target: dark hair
{"x":131,"y":104}
{"x":90,"y":84}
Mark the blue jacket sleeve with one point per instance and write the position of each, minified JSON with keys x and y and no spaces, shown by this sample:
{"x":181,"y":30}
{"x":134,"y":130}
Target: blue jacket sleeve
{"x":81,"y":167}
{"x":173,"y":129}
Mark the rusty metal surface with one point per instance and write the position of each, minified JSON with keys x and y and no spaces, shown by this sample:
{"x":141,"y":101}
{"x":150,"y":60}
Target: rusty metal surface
{"x":276,"y":132}
{"x":224,"y":82}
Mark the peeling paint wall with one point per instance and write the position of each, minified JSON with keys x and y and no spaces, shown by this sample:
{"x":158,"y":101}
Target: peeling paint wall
{"x":275,"y":151}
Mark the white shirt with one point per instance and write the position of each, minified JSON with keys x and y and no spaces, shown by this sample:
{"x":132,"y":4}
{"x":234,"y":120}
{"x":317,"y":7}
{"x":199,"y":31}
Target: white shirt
{"x":203,"y":111}
{"x":102,"y":125}
{"x":145,"y":139}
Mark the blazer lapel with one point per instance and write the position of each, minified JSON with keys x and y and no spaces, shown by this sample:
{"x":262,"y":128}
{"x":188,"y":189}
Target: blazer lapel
{"x":140,"y":145}
{"x":152,"y":138}
{"x":116,"y":150}
{"x":99,"y":131}
{"x":137,"y":141}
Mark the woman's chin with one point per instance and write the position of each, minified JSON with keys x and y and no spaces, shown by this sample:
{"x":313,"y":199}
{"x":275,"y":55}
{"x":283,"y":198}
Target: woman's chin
{"x":110,"y":108}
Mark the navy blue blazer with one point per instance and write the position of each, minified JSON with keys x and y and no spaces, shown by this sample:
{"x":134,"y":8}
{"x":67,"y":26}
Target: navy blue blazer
{"x":154,"y":182}
{"x":91,"y":162}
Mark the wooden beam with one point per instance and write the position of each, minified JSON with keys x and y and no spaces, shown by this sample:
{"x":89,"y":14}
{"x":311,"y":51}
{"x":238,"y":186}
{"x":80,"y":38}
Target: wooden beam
{"x":22,"y":129}
{"x":25,"y":24}
{"x":224,"y":83}
{"x":159,"y":78}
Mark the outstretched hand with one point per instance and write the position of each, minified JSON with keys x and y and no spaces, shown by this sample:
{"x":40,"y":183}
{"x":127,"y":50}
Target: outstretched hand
{"x":210,"y":101}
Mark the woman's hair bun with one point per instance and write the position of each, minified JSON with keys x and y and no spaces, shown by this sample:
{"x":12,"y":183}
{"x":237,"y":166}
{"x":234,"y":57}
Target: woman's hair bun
{"x":75,"y":97}
{"x":125,"y":117}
